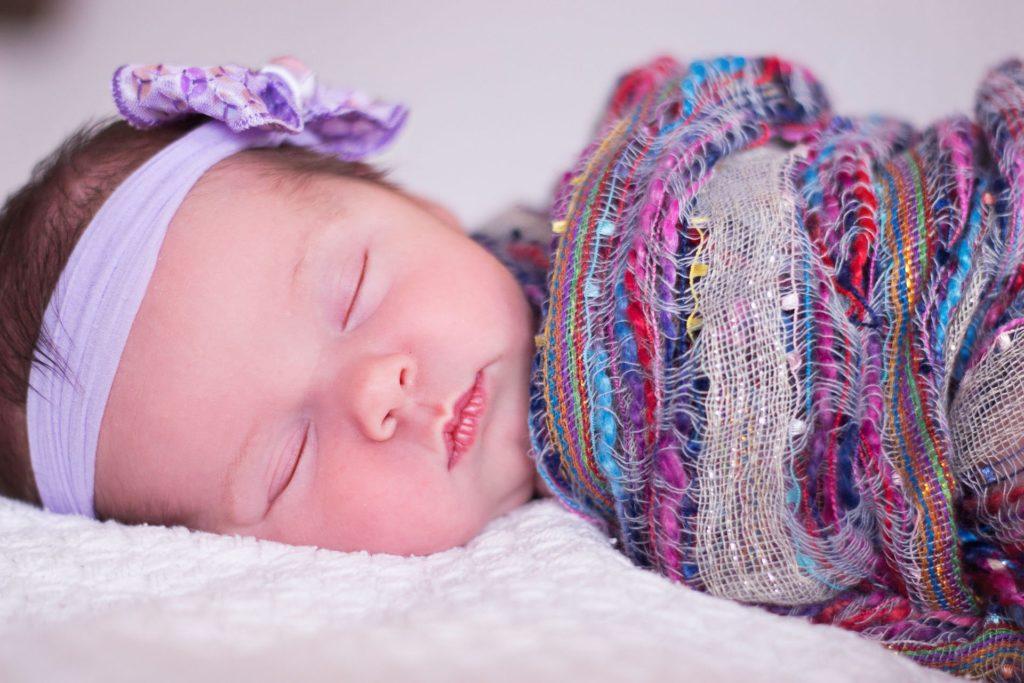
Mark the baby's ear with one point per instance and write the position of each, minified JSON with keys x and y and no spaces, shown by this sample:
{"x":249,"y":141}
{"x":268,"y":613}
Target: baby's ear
{"x":443,"y":214}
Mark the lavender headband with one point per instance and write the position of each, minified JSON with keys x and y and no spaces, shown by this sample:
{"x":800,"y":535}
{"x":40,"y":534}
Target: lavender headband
{"x":92,"y":308}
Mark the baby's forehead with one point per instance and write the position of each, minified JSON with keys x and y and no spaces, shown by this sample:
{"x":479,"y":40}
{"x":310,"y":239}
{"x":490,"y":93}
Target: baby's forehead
{"x":248,"y":212}
{"x":248,"y":172}
{"x":268,"y":183}
{"x":310,"y":184}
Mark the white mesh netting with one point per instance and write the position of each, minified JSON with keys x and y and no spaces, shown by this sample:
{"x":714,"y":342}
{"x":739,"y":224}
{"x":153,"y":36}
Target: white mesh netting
{"x":988,"y":443}
{"x":755,"y":415}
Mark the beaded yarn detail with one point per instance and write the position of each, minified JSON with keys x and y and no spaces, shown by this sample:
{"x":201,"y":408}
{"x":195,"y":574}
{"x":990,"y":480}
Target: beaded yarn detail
{"x":781,"y":359}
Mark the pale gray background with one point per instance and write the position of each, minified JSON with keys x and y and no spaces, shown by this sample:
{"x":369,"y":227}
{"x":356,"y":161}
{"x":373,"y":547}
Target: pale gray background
{"x":503,"y":94}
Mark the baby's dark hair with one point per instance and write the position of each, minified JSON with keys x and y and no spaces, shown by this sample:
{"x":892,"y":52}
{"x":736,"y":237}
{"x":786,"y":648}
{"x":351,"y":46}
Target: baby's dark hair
{"x":39,"y":227}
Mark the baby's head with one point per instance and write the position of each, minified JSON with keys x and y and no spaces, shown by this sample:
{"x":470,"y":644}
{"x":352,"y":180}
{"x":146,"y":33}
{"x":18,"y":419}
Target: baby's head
{"x":292,"y":372}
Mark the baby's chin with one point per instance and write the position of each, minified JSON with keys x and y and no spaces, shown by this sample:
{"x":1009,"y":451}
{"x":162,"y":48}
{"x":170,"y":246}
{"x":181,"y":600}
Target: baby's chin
{"x":540,"y":489}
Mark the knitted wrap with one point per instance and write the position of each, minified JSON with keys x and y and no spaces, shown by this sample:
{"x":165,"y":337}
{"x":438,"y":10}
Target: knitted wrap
{"x":781,"y":359}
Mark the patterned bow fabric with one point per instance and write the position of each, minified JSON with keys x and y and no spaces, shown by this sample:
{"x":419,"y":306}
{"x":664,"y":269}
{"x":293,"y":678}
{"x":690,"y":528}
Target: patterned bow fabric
{"x":283,"y":96}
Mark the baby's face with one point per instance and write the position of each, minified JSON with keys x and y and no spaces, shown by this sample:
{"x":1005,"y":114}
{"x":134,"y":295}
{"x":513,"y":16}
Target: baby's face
{"x":342,"y":319}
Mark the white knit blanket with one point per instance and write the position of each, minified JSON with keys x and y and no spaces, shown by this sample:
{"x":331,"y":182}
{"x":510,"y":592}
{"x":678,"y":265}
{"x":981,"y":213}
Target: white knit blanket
{"x":539,"y":596}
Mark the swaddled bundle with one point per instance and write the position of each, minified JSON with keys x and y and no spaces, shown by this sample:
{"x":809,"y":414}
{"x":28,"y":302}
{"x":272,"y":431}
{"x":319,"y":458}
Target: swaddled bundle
{"x":782,"y":356}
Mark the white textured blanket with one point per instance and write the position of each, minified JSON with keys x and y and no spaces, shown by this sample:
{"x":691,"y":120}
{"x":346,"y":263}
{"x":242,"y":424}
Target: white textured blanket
{"x":539,"y":596}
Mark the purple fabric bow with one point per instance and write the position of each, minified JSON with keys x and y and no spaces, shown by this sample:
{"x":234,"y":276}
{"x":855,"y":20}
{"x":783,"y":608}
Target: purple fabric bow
{"x":283,"y":96}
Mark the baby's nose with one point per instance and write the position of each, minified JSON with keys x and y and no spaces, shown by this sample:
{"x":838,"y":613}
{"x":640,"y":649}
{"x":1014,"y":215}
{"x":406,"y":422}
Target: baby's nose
{"x":380,"y":390}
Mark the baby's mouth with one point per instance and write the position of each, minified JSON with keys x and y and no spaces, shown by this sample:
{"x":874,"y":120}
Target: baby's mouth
{"x":460,"y":432}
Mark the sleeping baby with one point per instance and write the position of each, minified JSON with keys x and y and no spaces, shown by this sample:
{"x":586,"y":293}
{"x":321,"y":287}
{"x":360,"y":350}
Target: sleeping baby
{"x":770,"y":350}
{"x":251,"y":302}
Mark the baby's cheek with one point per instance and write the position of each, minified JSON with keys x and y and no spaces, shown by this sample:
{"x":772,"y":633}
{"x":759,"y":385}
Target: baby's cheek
{"x":403,"y":515}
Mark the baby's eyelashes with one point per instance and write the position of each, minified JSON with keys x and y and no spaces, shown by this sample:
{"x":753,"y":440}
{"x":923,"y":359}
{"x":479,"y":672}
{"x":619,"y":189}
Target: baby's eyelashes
{"x":355,"y":292}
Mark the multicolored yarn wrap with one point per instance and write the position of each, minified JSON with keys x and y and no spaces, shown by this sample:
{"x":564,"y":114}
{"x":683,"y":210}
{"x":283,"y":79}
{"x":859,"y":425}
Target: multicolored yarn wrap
{"x":781,"y":359}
